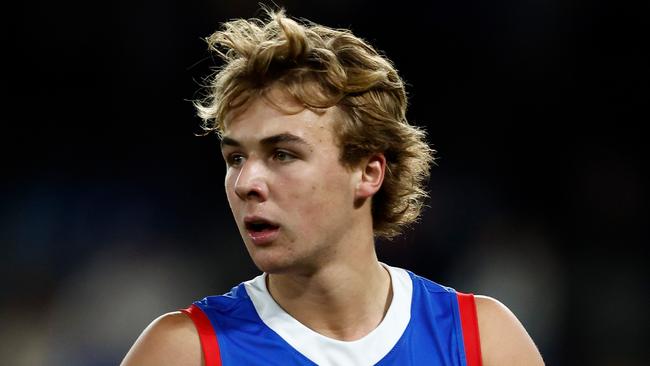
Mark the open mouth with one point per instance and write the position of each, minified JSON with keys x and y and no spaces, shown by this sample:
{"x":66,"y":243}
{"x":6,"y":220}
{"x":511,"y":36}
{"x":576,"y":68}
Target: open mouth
{"x":261,"y":231}
{"x":259,"y":226}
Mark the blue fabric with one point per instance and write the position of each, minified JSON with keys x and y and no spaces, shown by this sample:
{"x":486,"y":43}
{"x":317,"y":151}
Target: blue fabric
{"x":433,"y":336}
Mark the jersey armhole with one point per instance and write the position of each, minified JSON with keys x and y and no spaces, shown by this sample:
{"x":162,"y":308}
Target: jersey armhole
{"x":469,"y":324}
{"x":207,"y":335}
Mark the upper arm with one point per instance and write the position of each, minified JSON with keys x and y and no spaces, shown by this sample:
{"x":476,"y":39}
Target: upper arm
{"x":171,"y":339}
{"x":504,"y":341}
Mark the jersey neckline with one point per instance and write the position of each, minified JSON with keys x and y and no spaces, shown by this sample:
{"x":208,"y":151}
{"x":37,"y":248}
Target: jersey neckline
{"x":324,"y":350}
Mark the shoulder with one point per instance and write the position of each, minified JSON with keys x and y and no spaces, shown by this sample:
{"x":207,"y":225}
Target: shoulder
{"x":428,"y":285}
{"x":504,"y":341}
{"x":171,"y":339}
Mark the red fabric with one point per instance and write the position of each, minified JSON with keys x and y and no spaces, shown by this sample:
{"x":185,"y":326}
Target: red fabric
{"x":208,"y":337}
{"x":469,"y":323}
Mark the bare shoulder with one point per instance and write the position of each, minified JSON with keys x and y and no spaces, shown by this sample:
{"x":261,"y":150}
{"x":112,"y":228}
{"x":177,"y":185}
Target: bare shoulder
{"x":171,"y":339}
{"x":504,"y":341}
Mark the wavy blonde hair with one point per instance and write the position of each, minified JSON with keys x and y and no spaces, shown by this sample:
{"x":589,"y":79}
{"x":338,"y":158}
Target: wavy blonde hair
{"x":323,"y":67}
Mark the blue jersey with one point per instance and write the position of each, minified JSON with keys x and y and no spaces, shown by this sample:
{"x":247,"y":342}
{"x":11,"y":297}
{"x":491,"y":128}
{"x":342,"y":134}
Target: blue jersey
{"x":424,"y":325}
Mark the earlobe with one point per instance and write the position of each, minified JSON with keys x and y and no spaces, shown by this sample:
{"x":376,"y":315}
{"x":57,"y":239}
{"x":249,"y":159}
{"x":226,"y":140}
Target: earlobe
{"x":372,"y":176}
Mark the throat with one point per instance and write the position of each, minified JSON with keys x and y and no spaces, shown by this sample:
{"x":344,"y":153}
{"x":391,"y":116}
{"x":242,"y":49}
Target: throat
{"x":346,"y":310}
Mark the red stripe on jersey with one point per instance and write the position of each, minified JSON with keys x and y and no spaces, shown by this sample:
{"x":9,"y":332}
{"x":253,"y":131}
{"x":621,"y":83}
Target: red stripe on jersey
{"x":208,"y":337}
{"x":469,"y":323}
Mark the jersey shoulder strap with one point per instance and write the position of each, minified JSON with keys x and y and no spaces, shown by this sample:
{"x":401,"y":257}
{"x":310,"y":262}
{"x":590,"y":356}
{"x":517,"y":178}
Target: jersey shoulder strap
{"x":209,"y":342}
{"x":469,"y":324}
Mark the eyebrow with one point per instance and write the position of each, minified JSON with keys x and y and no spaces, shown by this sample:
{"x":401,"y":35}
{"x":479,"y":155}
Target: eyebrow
{"x":267,"y":141}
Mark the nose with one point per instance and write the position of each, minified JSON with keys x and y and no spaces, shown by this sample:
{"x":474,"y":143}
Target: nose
{"x":251,"y":183}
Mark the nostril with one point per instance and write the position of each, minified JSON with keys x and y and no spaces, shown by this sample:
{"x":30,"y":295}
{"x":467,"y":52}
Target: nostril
{"x":253,"y":193}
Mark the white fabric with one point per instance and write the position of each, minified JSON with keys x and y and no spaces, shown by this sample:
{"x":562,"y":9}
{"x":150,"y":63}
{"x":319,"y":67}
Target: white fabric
{"x":326,"y":351}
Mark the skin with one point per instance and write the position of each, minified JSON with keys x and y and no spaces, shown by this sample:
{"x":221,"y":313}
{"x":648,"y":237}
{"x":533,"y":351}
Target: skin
{"x":322,"y":266}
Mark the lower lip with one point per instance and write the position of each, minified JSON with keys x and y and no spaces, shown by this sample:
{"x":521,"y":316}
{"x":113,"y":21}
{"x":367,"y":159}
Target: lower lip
{"x":263,"y":237}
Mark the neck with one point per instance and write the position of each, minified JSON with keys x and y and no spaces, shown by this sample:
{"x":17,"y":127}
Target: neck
{"x":344,"y":300}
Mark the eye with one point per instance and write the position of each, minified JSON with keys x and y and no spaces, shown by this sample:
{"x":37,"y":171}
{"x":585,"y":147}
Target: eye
{"x":284,"y":156}
{"x":234,"y":159}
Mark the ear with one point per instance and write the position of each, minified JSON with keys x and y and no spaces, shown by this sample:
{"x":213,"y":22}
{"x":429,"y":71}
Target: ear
{"x":372,"y":176}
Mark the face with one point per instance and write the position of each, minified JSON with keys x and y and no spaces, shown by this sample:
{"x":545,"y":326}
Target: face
{"x":292,"y":199}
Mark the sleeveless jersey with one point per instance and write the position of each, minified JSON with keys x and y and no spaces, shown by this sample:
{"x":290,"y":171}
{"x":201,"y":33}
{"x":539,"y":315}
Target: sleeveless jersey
{"x":426,"y":324}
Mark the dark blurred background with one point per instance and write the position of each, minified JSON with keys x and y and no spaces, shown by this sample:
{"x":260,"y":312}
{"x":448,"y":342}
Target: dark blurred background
{"x":112,"y":211}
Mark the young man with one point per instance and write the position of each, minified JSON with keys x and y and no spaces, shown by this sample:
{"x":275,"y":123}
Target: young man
{"x":320,"y":161}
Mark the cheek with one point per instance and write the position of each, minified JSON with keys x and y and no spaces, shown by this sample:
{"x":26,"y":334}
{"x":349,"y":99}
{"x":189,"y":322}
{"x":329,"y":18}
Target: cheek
{"x":317,"y":199}
{"x":229,"y":184}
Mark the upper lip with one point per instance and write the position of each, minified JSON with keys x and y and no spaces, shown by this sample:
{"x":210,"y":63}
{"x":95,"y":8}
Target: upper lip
{"x":249,"y":220}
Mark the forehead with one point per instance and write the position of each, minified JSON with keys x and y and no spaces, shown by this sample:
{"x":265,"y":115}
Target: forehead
{"x":279,"y":113}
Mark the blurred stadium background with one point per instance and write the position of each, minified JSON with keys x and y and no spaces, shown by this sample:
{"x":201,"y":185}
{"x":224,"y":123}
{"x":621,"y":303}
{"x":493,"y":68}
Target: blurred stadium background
{"x":112,"y":211}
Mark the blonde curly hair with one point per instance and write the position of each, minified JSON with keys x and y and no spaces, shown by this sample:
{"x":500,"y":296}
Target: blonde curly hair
{"x":347,"y":72}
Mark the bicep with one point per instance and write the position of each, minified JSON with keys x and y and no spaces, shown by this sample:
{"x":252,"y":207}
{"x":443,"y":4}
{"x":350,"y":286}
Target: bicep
{"x":504,"y":340}
{"x":171,"y":339}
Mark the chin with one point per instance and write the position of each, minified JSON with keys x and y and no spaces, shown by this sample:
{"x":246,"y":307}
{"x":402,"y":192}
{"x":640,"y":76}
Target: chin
{"x":272,"y":267}
{"x":270,"y":261}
